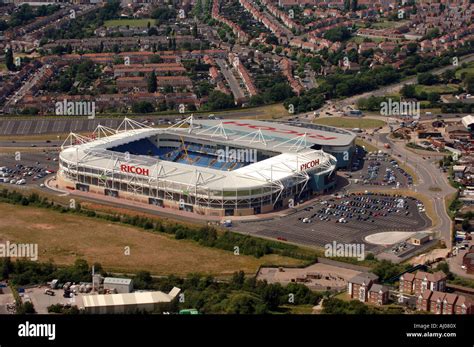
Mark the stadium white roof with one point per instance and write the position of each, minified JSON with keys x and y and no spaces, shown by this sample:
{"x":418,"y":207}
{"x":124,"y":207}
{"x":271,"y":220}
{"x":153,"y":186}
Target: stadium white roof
{"x":292,"y":143}
{"x":272,"y":133}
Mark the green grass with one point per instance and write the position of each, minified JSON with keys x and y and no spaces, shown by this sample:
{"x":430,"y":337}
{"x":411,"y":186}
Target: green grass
{"x":360,"y":39}
{"x":469,"y":70}
{"x":438,"y":88}
{"x":297,"y":309}
{"x":368,"y":147}
{"x":387,"y":24}
{"x":344,"y":122}
{"x":139,"y":23}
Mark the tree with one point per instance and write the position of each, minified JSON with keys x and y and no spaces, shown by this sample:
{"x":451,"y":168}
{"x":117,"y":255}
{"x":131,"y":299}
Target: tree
{"x":151,"y":83}
{"x":142,"y":280}
{"x":28,"y":308}
{"x":469,"y":83}
{"x":386,"y":269}
{"x":244,"y":303}
{"x":3,"y":25}
{"x":444,"y":266}
{"x":433,"y":97}
{"x":219,"y":101}
{"x":153,"y":32}
{"x":432,"y":34}
{"x":347,"y":5}
{"x":238,"y":279}
{"x":272,"y":294}
{"x":155,"y":59}
{"x":408,"y":91}
{"x":7,"y":267}
{"x":427,"y":79}
{"x":354,"y":5}
{"x":9,"y":60}
{"x":163,"y":13}
{"x":466,"y":225}
{"x":412,"y":47}
{"x":337,"y":34}
{"x":448,"y":75}
{"x":142,"y":107}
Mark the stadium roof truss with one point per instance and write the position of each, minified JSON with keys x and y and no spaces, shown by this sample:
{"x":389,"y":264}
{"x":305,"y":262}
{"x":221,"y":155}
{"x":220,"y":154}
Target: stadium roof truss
{"x":199,"y":180}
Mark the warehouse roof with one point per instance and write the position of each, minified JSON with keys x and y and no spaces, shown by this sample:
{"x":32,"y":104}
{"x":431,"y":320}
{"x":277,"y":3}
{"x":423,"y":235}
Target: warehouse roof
{"x":136,"y":298}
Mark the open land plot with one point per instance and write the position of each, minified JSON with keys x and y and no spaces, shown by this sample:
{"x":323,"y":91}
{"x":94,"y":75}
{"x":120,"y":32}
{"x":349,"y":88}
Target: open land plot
{"x":438,"y":88}
{"x":139,"y":23}
{"x":66,"y":237}
{"x":469,"y":69}
{"x":386,"y":24}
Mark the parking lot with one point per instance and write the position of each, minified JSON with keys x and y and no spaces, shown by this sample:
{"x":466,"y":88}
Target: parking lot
{"x":31,"y":168}
{"x":52,"y":125}
{"x":42,"y":301}
{"x":345,"y":219}
{"x":378,"y":169}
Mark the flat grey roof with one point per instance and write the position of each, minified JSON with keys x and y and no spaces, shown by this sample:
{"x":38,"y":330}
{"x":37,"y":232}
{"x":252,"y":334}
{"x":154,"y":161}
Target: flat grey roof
{"x":116,"y":280}
{"x":316,"y":134}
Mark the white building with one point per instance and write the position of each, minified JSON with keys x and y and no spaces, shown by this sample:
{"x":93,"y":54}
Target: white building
{"x":120,"y":285}
{"x":128,"y":302}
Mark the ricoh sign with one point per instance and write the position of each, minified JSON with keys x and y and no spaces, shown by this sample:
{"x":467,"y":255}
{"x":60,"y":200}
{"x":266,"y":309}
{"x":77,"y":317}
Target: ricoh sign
{"x":134,"y":169}
{"x":309,"y":165}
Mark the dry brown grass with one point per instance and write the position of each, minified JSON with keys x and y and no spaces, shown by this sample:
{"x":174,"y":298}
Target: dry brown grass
{"x":66,"y":237}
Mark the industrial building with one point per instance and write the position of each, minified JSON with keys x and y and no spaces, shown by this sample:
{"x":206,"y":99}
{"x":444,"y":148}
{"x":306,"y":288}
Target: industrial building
{"x":127,"y":303}
{"x":119,"y":285}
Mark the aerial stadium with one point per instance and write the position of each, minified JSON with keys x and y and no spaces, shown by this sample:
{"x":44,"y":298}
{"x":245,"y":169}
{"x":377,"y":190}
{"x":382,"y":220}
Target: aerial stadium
{"x":208,"y":167}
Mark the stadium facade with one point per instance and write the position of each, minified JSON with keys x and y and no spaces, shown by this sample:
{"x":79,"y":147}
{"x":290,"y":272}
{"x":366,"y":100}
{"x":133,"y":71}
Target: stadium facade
{"x":209,"y":167}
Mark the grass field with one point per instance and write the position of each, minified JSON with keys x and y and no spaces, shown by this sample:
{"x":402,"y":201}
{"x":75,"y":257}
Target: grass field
{"x":438,"y":88}
{"x":273,"y":111}
{"x":297,"y":309}
{"x":345,"y":122}
{"x":368,"y":147}
{"x":66,"y":237}
{"x":386,"y":24}
{"x":469,"y":70}
{"x":360,"y":39}
{"x":138,"y":23}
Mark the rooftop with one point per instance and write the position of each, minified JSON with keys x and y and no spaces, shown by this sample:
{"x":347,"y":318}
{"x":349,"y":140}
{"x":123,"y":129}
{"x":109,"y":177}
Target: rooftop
{"x":291,"y":144}
{"x":116,"y":280}
{"x":136,"y":298}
